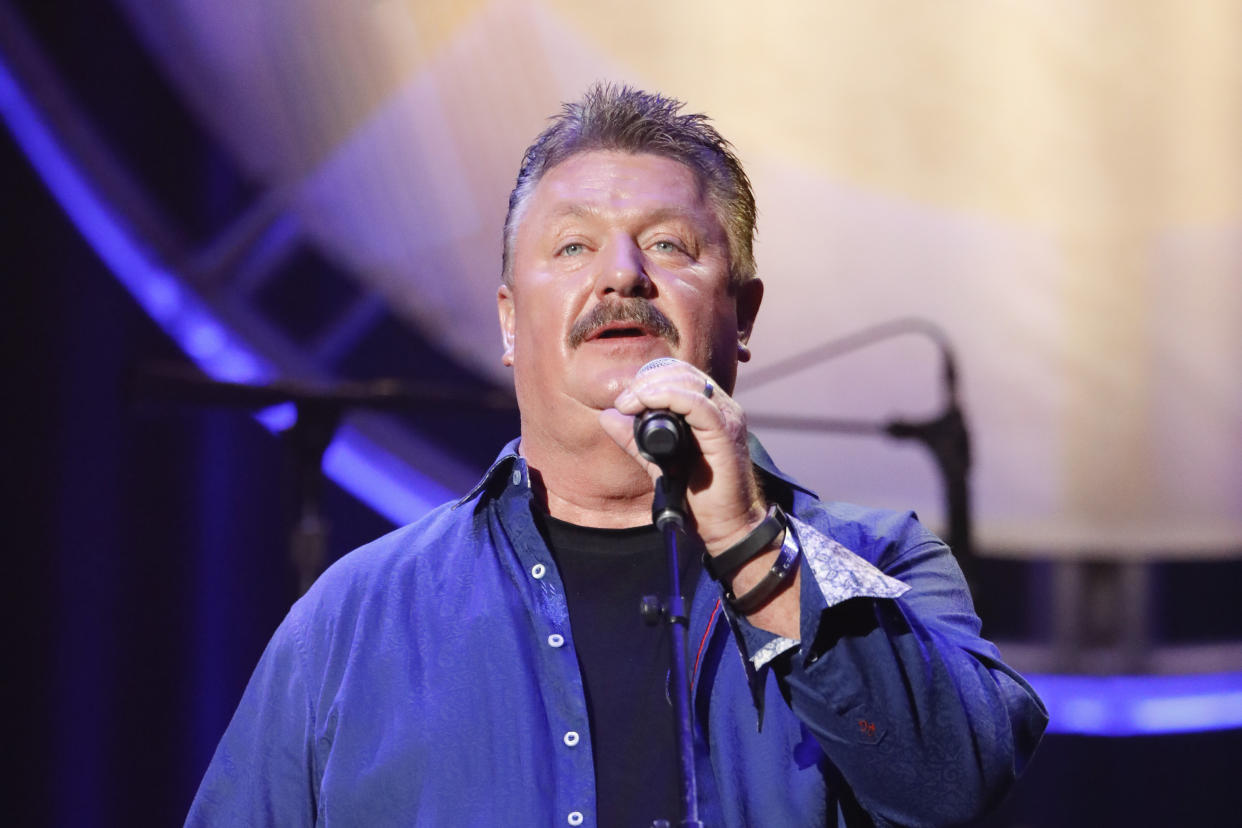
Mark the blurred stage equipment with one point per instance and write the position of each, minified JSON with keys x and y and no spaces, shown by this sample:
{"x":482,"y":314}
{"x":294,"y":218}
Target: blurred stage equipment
{"x":319,"y":409}
{"x":945,"y":435}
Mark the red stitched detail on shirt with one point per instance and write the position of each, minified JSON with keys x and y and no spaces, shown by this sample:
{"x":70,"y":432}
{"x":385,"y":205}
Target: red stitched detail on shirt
{"x":711,"y":620}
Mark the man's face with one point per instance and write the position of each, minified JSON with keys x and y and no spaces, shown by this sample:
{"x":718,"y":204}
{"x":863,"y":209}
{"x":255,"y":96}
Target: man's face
{"x":618,"y":259}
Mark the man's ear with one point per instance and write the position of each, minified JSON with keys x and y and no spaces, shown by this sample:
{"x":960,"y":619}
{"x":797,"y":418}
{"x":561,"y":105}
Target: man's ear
{"x":504,"y":307}
{"x":749,"y":297}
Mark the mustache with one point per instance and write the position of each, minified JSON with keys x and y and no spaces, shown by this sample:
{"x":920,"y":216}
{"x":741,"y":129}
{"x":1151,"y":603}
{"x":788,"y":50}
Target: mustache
{"x":638,"y":311}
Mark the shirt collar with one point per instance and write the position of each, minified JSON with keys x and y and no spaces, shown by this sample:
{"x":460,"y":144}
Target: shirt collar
{"x":509,"y":463}
{"x":763,"y":461}
{"x":507,"y":458}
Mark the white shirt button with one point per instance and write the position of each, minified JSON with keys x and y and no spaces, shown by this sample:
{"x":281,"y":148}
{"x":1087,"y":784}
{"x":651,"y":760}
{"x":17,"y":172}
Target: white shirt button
{"x":538,"y":571}
{"x":571,"y":738}
{"x":556,"y":640}
{"x":516,"y":477}
{"x":575,"y":818}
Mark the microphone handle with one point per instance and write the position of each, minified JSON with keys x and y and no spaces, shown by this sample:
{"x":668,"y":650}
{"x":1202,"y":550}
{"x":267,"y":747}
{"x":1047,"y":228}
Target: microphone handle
{"x":662,"y":437}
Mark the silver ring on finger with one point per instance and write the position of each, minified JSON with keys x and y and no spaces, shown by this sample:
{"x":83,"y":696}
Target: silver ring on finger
{"x":708,"y":389}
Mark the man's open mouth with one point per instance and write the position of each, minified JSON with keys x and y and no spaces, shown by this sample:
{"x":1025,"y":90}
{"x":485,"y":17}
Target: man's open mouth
{"x":623,"y":319}
{"x":620,"y":332}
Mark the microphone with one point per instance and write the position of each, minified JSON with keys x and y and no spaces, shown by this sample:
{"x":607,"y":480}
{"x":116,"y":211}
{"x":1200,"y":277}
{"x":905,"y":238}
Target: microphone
{"x":663,"y":437}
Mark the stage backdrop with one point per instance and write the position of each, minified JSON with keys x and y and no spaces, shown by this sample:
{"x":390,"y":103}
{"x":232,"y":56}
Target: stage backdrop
{"x":1056,"y":184}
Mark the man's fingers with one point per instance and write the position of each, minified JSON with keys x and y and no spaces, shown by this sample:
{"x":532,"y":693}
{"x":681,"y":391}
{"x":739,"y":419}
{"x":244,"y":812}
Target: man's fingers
{"x":620,"y":427}
{"x":681,"y":395}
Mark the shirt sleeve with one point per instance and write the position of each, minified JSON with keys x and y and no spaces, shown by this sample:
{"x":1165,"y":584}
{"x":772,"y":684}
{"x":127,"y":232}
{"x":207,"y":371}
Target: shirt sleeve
{"x":837,"y":575}
{"x":261,"y":773}
{"x":915,"y":712}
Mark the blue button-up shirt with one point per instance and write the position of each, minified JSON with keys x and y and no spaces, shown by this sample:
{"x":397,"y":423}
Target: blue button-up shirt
{"x":430,"y":679}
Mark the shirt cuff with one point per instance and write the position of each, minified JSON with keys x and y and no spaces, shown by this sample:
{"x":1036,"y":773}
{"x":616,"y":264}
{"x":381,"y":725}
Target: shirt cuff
{"x":837,"y":575}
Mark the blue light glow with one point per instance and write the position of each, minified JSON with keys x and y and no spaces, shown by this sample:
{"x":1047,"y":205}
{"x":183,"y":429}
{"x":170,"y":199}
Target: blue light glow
{"x":1141,"y":705}
{"x":280,"y":417}
{"x":388,"y":485}
{"x":175,"y":309}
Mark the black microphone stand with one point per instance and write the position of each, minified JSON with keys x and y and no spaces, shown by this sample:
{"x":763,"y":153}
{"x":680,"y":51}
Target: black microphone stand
{"x":668,"y":444}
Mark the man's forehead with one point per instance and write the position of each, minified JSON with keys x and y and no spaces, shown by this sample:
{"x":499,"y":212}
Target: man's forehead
{"x":614,"y":171}
{"x":587,"y":184}
{"x":570,"y":208}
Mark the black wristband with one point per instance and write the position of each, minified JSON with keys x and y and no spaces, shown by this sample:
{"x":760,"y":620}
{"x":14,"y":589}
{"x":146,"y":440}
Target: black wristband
{"x":723,"y":566}
{"x":760,"y":593}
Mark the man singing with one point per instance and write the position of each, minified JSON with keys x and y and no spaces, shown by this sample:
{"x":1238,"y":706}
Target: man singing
{"x":487,"y":665}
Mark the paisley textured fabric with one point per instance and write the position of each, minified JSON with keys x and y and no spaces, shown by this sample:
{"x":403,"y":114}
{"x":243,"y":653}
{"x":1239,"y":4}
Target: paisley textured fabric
{"x":430,"y":679}
{"x":839,"y":574}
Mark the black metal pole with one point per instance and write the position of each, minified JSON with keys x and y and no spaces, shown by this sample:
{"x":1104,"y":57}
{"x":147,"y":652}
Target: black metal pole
{"x":668,"y":513}
{"x":948,"y":439}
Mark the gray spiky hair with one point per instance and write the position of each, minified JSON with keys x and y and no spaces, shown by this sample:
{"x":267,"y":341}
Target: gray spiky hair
{"x":621,"y":118}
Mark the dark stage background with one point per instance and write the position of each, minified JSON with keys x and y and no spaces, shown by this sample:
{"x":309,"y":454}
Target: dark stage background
{"x":147,"y":567}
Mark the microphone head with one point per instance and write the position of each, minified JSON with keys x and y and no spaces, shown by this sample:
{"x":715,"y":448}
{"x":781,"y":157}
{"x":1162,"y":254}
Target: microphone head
{"x":662,"y":436}
{"x":658,"y":362}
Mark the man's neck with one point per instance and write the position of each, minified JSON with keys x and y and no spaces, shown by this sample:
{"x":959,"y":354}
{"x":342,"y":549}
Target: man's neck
{"x":591,"y":483}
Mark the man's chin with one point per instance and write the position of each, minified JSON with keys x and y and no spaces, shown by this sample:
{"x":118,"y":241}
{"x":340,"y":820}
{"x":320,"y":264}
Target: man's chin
{"x":602,"y":398}
{"x":599,"y":391}
{"x":598,"y":374}
{"x":620,"y":357}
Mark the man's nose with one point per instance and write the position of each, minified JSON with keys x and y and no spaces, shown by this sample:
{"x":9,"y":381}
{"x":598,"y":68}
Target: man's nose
{"x":623,"y":269}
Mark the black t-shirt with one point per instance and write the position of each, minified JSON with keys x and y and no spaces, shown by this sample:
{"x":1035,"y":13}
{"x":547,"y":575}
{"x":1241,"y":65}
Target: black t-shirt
{"x":624,"y":663}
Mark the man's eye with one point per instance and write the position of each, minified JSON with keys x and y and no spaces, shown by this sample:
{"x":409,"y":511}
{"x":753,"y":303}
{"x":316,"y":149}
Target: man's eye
{"x":571,"y":249}
{"x":666,"y":246}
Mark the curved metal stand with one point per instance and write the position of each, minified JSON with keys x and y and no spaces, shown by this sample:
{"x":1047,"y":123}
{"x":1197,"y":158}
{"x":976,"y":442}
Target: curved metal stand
{"x":946,"y":435}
